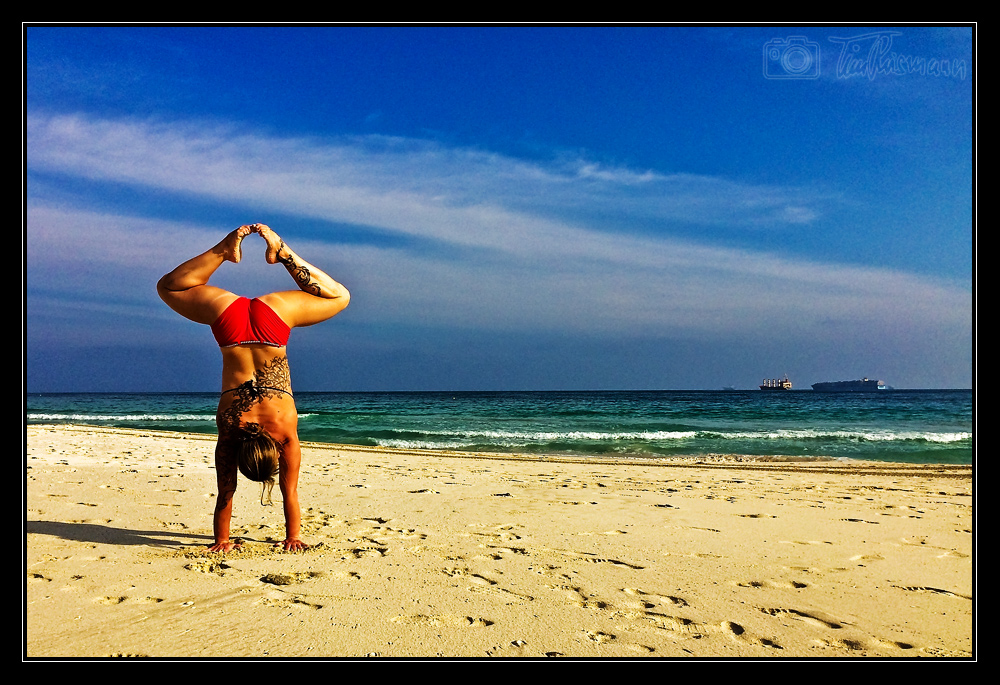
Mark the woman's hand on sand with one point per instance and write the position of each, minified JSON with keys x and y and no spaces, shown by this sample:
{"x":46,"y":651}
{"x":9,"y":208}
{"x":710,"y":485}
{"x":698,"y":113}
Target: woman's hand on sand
{"x":293,"y":545}
{"x":227,"y":546}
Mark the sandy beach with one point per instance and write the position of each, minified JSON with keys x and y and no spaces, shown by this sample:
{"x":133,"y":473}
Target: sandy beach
{"x":433,"y":554}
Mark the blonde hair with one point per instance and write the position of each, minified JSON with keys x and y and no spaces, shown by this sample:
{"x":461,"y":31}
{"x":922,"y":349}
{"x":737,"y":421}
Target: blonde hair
{"x":257,"y":458}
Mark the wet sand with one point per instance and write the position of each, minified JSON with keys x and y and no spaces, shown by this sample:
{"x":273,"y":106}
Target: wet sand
{"x":434,"y":554}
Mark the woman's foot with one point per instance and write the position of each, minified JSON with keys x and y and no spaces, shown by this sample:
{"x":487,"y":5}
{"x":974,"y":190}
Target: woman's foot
{"x":231,"y":250}
{"x":274,"y":243}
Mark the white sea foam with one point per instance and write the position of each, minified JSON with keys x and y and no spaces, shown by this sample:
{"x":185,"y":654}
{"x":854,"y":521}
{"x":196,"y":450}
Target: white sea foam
{"x":502,"y":436}
{"x":573,"y":436}
{"x":817,"y":434}
{"x":137,"y":418}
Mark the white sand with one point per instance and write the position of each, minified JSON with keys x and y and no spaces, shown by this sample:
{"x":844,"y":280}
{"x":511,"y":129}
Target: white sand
{"x":429,"y":554}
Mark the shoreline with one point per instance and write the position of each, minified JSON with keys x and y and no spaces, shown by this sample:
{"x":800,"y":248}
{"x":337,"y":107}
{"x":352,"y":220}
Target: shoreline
{"x":713,"y":460}
{"x":424,"y":553}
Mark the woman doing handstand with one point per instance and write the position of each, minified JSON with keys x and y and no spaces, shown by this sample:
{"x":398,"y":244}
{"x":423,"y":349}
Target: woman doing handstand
{"x":257,"y":420}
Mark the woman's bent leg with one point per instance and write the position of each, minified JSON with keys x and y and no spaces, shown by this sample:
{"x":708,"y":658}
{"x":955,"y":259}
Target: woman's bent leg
{"x":186,"y":289}
{"x":197,"y":270}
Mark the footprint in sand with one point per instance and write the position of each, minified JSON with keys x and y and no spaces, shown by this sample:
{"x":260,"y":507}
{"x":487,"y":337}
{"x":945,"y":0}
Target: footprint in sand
{"x":709,"y":530}
{"x":399,"y":533}
{"x":175,"y":525}
{"x":739,"y":634}
{"x":359,"y":552}
{"x":893,"y":644}
{"x":503,"y":535}
{"x":649,"y":597}
{"x":289,"y":578}
{"x":208,"y":566}
{"x":482,"y":584}
{"x":289,"y":603}
{"x":468,"y":575}
{"x":808,"y":619}
{"x":111,"y":600}
{"x":784,"y":584}
{"x":937,"y":591}
{"x":513,"y":647}
{"x":576,"y":597}
{"x":674,"y":624}
{"x":447,"y":620}
{"x":952,"y":554}
{"x":588,"y":557}
{"x":641,"y":649}
{"x":126,"y":599}
{"x":849,"y":645}
{"x":946,"y":653}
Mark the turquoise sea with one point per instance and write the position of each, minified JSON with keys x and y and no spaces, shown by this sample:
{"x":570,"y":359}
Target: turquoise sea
{"x":914,"y":426}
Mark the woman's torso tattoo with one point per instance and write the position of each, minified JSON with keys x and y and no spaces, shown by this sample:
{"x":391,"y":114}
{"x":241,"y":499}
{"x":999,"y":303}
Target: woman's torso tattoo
{"x":270,"y":381}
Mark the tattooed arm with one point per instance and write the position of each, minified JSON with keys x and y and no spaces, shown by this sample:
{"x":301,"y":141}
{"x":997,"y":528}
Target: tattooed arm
{"x":319,"y":296}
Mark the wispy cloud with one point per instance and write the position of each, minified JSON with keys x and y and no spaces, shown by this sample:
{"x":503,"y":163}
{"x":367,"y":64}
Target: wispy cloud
{"x":528,"y":242}
{"x":396,"y":184}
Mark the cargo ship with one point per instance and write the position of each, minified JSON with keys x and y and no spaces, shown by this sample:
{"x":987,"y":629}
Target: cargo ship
{"x":863,"y":385}
{"x":776,"y":384}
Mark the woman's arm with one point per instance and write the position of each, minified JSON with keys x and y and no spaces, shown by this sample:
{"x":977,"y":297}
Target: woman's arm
{"x":225,"y":471}
{"x":288,"y":481}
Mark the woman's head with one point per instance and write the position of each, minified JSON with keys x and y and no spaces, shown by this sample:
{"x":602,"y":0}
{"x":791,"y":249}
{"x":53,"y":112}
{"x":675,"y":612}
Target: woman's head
{"x":257,"y":457}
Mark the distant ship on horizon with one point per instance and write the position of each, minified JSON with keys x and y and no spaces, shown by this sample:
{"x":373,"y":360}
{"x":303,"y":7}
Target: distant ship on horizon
{"x":863,"y":385}
{"x":776,"y":384}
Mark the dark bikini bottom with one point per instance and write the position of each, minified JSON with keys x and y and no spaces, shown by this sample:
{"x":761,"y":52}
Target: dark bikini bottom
{"x":251,"y":390}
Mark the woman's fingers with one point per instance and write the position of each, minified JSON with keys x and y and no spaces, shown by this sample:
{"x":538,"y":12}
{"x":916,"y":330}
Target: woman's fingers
{"x":294,"y":545}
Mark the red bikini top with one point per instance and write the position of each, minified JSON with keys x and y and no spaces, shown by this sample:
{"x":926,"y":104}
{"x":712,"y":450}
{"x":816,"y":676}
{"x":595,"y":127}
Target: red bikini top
{"x":250,"y":322}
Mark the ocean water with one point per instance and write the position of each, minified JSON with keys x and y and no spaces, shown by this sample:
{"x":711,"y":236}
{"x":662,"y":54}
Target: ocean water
{"x":920,"y":426}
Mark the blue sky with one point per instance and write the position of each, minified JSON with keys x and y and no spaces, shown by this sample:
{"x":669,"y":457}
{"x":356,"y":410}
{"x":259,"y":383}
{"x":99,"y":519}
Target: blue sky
{"x":512,"y":208}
